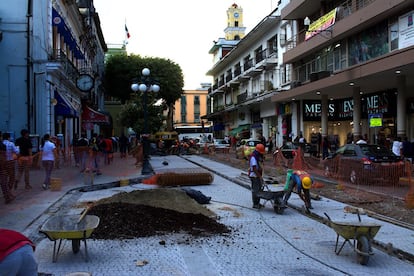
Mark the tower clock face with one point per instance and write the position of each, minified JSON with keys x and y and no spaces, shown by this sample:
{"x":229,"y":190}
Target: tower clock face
{"x":236,"y":14}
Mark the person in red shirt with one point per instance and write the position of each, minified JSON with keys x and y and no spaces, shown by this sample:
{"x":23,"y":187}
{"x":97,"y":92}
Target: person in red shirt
{"x":16,"y":254}
{"x":108,"y":151}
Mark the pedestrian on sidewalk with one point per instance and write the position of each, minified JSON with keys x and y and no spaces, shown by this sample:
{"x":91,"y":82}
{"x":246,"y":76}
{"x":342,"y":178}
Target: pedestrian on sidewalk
{"x":83,"y":151}
{"x":11,"y":156}
{"x":303,"y":182}
{"x":397,"y":146}
{"x":75,"y":149}
{"x":7,"y":194}
{"x":95,"y":152}
{"x":49,"y":153}
{"x":16,"y":254}
{"x":24,"y":162}
{"x":108,"y":150}
{"x":123,"y":145}
{"x":255,"y":173}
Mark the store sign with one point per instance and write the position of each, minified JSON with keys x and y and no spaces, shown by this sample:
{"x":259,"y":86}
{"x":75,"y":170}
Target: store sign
{"x":406,"y":30}
{"x":313,"y":109}
{"x":345,"y":109}
{"x":375,"y":120}
{"x":381,"y":103}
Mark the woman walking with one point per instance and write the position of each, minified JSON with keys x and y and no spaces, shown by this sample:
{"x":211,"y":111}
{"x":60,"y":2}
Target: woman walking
{"x":49,"y":152}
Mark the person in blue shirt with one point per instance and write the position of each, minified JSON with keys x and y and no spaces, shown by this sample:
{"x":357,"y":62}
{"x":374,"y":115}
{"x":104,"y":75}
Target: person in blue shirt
{"x":303,"y":182}
{"x":256,"y":173}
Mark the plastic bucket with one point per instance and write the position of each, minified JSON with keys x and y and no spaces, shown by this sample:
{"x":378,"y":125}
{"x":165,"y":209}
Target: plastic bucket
{"x":55,"y":184}
{"x":88,"y":177}
{"x":123,"y":182}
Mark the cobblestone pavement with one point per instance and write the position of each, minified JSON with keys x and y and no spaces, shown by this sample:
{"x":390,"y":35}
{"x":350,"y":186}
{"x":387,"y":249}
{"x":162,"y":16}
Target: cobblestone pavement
{"x":262,"y":242}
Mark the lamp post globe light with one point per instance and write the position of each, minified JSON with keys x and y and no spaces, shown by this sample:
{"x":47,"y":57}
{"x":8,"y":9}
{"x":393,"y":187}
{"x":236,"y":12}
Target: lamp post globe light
{"x":146,"y":86}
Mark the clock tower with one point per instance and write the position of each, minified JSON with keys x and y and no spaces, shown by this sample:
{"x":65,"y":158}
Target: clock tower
{"x":235,"y":29}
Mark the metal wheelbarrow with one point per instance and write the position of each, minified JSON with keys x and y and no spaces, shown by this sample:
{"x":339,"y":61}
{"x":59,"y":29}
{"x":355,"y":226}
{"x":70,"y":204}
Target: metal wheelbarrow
{"x":69,"y":227}
{"x":274,"y":196}
{"x":361,"y":233}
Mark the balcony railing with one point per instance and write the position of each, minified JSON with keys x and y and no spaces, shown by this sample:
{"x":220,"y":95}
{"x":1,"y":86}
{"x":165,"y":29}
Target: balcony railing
{"x":248,"y":64}
{"x":242,"y":97}
{"x":237,"y":71}
{"x":345,"y":9}
{"x":229,"y":77}
{"x":260,"y":55}
{"x":67,"y":66}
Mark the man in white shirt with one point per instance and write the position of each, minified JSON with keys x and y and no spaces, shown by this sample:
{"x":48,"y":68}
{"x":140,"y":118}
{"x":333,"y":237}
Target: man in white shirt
{"x":397,"y":146}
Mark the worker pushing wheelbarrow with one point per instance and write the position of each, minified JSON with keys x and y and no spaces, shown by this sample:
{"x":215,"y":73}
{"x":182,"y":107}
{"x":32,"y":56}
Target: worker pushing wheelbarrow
{"x":259,"y":188}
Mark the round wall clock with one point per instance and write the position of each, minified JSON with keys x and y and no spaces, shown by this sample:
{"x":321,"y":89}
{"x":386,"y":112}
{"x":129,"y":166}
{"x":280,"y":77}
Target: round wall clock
{"x":85,"y":82}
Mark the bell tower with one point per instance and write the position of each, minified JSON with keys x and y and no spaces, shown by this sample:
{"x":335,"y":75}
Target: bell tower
{"x":235,"y":29}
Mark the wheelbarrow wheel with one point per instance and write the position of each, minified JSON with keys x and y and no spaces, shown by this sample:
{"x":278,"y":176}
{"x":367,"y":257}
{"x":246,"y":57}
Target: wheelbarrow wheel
{"x":364,"y":247}
{"x":278,"y":209}
{"x":76,"y":245}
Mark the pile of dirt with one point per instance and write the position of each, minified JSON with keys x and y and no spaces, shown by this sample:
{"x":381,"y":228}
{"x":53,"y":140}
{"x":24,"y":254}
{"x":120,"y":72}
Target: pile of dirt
{"x":153,"y":212}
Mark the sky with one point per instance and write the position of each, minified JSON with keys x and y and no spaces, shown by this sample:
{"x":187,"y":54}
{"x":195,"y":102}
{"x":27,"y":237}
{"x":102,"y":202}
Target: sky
{"x":181,"y":30}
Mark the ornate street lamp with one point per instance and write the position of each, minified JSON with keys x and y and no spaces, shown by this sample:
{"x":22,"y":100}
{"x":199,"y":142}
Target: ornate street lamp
{"x":147,"y":85}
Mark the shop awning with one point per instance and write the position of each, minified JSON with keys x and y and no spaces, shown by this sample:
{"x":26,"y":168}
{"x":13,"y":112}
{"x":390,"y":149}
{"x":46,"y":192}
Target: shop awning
{"x":90,"y":115}
{"x":239,"y":129}
{"x":63,"y":107}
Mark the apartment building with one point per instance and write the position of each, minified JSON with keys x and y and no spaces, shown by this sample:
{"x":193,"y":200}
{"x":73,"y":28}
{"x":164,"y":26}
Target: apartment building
{"x":246,"y":73}
{"x":352,"y":68}
{"x":51,"y":67}
{"x":190,"y":110}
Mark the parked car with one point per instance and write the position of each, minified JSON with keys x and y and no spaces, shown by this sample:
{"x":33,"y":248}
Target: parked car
{"x":364,"y":164}
{"x":221,"y":144}
{"x":289,"y":149}
{"x":245,"y":147}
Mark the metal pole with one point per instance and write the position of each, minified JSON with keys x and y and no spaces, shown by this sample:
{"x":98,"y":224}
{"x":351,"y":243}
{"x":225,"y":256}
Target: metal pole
{"x":146,"y":166}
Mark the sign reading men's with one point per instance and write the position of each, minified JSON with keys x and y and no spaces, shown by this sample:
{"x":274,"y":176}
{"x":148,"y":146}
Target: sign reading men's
{"x":340,"y":110}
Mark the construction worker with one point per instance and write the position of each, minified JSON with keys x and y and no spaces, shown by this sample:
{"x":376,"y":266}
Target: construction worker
{"x":303,"y":182}
{"x":256,"y":173}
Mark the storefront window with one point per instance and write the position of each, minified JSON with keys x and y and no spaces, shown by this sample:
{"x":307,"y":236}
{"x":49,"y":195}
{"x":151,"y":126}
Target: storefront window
{"x":368,"y":44}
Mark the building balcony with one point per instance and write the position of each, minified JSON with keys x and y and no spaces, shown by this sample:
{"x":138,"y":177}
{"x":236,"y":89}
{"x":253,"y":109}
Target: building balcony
{"x":60,"y":63}
{"x":241,"y":97}
{"x":351,"y":18}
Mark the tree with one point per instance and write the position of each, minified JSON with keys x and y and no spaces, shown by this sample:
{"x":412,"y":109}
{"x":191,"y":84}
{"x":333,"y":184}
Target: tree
{"x":122,"y":70}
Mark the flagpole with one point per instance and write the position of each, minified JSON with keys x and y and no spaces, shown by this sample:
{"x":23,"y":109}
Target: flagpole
{"x":127,"y":35}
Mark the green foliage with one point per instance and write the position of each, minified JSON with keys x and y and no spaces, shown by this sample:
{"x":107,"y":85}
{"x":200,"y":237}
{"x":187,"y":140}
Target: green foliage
{"x":133,"y":114}
{"x":123,"y":70}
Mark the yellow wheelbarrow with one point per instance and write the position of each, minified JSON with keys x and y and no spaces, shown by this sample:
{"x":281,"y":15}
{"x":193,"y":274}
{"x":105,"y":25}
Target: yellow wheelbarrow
{"x":361,"y":234}
{"x":69,"y":227}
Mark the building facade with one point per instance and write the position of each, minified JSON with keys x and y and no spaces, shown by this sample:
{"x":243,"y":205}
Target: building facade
{"x":51,"y":68}
{"x":319,"y":68}
{"x":246,"y":77}
{"x":352,"y":68}
{"x":190,"y":110}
